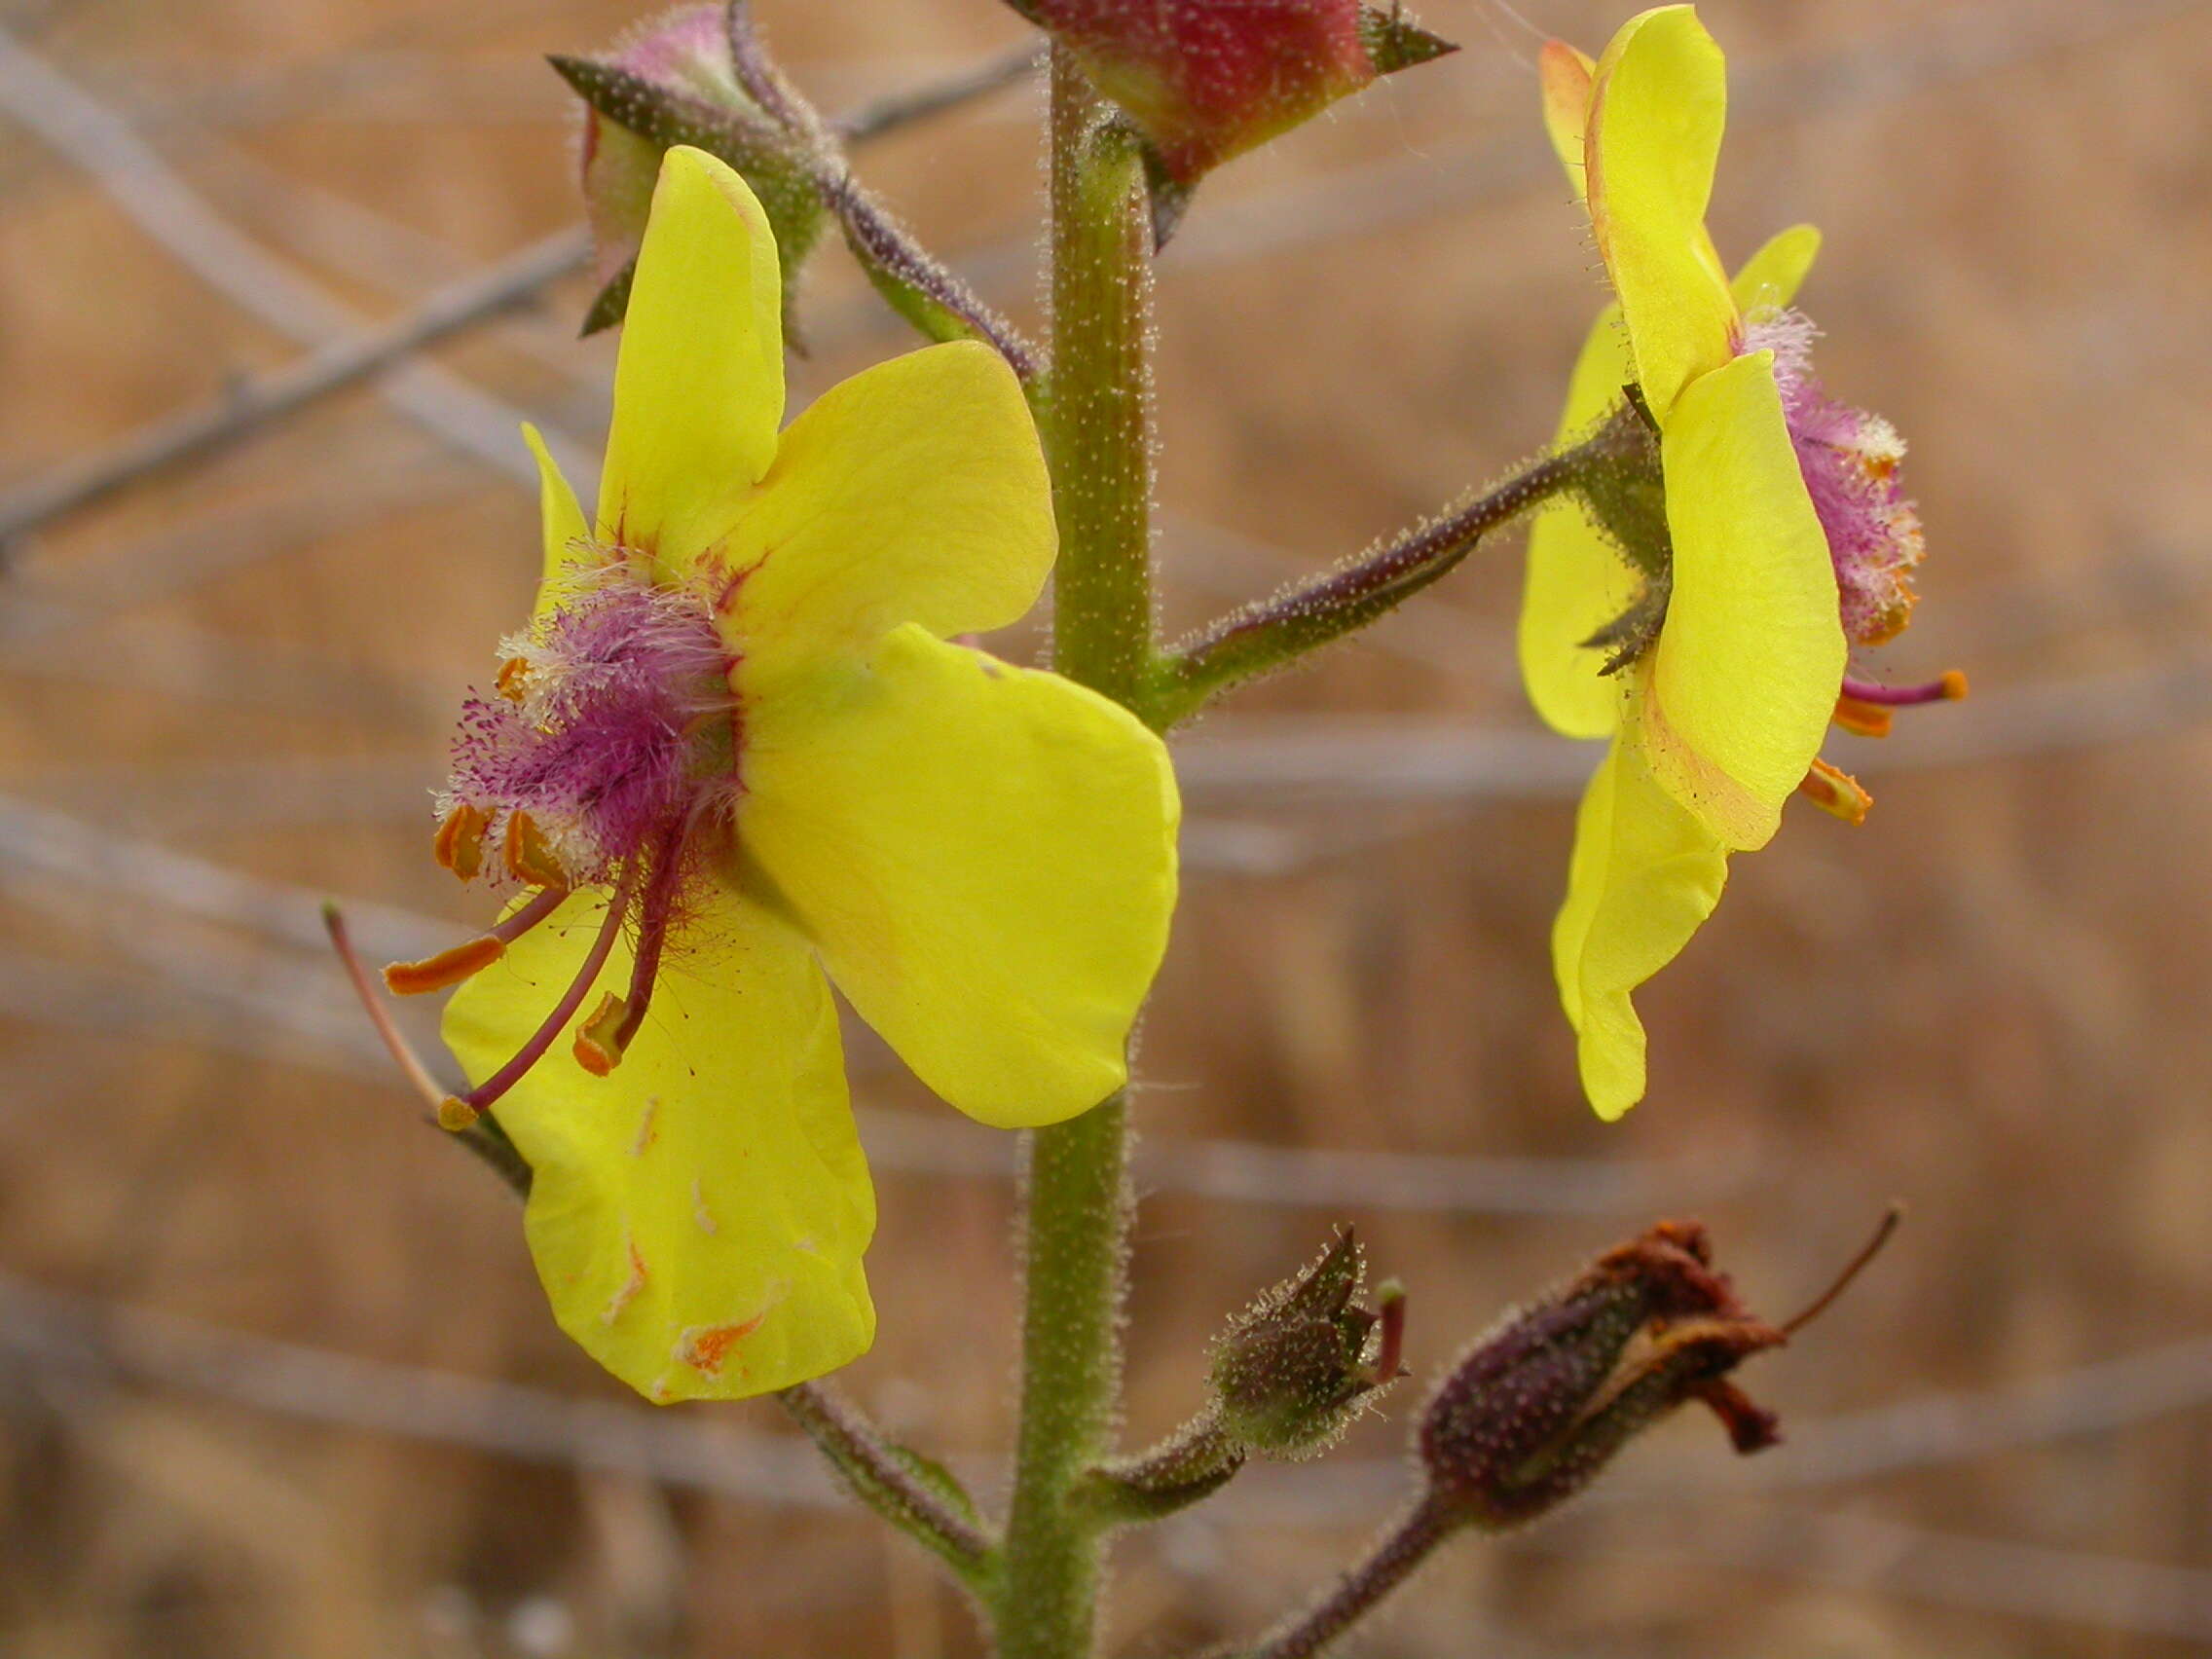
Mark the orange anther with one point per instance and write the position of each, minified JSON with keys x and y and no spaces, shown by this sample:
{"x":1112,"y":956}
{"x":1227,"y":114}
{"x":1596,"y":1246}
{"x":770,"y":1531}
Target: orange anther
{"x":527,"y":855}
{"x":1836,"y":791}
{"x":601,"y":1039}
{"x":447,"y":968}
{"x":1893,"y":621}
{"x":1866,"y":719}
{"x":514,"y":678}
{"x":459,"y":844}
{"x":1954,"y":684}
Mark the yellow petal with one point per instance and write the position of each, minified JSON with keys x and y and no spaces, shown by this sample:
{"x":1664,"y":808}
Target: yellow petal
{"x":915,"y":491}
{"x":1565,"y":75}
{"x":1738,"y":692}
{"x":1661,"y":102}
{"x":1577,"y":580}
{"x":1770,"y":278}
{"x":1645,"y":878}
{"x":560,"y":517}
{"x":699,"y":380}
{"x":697,"y":1217}
{"x":984,"y":856}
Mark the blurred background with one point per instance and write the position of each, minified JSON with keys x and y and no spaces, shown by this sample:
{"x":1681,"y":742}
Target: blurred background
{"x":276,"y":1377}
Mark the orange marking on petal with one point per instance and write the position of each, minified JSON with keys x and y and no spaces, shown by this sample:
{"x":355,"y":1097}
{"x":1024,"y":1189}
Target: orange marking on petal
{"x":447,"y":968}
{"x":705,"y":1349}
{"x":459,"y":845}
{"x":1866,"y":719}
{"x":629,"y":1287}
{"x":1836,"y":791}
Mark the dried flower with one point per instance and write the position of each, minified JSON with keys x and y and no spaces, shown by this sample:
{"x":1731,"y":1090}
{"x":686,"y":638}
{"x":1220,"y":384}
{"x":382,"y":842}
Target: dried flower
{"x":1536,"y":1409}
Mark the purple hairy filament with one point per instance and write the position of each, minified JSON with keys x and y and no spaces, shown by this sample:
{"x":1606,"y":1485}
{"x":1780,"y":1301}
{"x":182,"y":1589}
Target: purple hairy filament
{"x":606,"y":758}
{"x":1850,"y":462}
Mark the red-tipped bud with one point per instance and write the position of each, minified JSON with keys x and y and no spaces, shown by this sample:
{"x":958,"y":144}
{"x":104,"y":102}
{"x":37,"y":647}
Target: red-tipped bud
{"x":1295,"y":1368}
{"x":676,"y":81}
{"x":1537,"y":1408}
{"x":1204,"y":81}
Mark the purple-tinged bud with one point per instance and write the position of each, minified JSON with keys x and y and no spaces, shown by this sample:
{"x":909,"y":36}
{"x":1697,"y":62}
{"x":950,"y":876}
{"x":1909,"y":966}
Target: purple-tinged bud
{"x":1294,"y":1369}
{"x":1537,"y":1408}
{"x":676,"y":81}
{"x":1204,"y":82}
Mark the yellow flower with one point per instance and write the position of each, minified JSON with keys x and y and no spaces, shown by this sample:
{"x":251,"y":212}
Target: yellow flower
{"x":735,"y":749}
{"x":1706,"y":637}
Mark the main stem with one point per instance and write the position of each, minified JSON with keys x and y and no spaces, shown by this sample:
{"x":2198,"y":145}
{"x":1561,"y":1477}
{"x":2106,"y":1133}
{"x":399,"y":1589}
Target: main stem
{"x":1096,"y":428}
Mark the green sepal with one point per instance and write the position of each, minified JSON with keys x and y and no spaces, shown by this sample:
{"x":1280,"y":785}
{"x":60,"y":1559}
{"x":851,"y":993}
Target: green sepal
{"x":1170,"y":196}
{"x":1395,"y":42}
{"x":771,"y":160}
{"x":610,"y":303}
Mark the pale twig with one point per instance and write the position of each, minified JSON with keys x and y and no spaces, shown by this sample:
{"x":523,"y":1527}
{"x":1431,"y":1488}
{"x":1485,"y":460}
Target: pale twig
{"x":344,"y":351}
{"x":48,"y":847}
{"x":1414,"y":185}
{"x":1334,"y":759}
{"x":93,"y":1341}
{"x":1965,"y":44}
{"x":1871,"y":1555}
{"x":316,"y":1386}
{"x":320,"y":496}
{"x":330,"y":367}
{"x":164,"y":206}
{"x":295,"y":1019}
{"x":57,"y":846}
{"x":895,"y":110}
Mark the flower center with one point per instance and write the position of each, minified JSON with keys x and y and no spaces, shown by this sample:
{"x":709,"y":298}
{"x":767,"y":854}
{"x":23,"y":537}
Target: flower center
{"x":1849,"y":459}
{"x":613,"y":717}
{"x":606,"y":757}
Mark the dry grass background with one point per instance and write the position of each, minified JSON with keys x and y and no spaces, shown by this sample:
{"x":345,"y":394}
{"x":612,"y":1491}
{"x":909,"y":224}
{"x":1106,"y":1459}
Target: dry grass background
{"x":274,"y":1424}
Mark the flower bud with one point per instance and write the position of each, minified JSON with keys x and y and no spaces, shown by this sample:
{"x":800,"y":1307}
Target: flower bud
{"x":1537,"y":1408}
{"x":1204,"y":82}
{"x":673,"y":81}
{"x":1295,"y":1368}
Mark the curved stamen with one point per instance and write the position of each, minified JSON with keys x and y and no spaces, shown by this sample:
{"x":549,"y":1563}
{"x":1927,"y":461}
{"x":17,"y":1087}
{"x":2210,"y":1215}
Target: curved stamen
{"x":460,"y":1110}
{"x":470,"y":956}
{"x":602,"y":1038}
{"x":529,"y":915}
{"x":1947,"y":688}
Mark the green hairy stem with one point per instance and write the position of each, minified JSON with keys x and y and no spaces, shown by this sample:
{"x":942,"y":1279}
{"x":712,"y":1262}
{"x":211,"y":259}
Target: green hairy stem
{"x":1097,"y":439}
